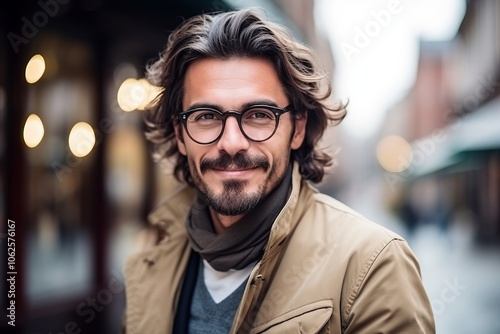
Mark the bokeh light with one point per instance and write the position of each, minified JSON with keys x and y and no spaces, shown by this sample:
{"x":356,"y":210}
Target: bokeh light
{"x":394,"y":153}
{"x":81,"y":139}
{"x":35,"y":69}
{"x":130,"y":94}
{"x":151,"y":93}
{"x":33,"y":131}
{"x":136,"y":94}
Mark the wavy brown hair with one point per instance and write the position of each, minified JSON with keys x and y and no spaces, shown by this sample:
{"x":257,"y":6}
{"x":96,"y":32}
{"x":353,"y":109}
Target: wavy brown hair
{"x":242,"y":33}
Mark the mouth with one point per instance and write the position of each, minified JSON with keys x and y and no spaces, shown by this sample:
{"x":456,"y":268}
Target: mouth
{"x":234,"y":171}
{"x":234,"y":168}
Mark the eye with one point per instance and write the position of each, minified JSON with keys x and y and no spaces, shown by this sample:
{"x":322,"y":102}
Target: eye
{"x":204,"y":116}
{"x":259,"y":114}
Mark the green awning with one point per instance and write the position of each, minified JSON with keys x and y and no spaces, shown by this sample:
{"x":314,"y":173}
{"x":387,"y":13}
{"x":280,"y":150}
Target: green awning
{"x":476,"y":132}
{"x":480,"y":130}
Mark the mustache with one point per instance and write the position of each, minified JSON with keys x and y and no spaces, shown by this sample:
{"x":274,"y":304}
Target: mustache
{"x":239,"y":160}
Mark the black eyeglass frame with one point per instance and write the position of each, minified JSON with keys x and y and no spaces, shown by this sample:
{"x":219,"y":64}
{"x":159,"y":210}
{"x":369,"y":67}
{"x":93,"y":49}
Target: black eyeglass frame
{"x":183,"y":117}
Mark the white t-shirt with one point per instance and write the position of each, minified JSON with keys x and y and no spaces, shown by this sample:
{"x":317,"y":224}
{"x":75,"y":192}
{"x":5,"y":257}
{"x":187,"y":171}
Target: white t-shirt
{"x":220,"y":284}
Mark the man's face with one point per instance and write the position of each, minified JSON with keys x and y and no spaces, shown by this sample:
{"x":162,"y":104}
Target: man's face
{"x":235,"y":173}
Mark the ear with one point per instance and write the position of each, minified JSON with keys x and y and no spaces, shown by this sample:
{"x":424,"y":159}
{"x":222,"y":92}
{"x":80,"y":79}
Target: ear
{"x":179,"y":139}
{"x":300,"y":131}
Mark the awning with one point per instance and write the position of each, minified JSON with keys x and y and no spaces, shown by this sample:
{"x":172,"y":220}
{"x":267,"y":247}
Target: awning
{"x":478,"y":131}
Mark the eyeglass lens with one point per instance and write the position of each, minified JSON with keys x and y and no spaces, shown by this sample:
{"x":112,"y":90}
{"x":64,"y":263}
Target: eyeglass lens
{"x":257,"y":123}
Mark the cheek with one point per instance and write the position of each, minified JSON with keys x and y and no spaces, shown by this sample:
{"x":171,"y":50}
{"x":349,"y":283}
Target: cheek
{"x":279,"y":159}
{"x":196,"y":153}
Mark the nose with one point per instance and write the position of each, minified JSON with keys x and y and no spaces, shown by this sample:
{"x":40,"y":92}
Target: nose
{"x":232,"y":140}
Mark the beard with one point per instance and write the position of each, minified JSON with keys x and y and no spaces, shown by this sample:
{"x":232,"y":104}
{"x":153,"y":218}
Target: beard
{"x":234,"y":200}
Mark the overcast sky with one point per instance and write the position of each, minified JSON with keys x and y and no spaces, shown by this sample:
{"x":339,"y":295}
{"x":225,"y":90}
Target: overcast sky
{"x":375,"y":45}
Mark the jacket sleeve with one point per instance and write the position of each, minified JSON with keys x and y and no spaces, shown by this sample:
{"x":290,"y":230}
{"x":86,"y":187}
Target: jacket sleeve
{"x":388,"y":295}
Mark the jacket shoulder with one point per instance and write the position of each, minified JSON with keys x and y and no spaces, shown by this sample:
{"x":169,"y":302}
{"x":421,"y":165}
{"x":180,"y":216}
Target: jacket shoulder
{"x":166,"y":220}
{"x":376,"y":264}
{"x":339,"y":218}
{"x":174,"y":207}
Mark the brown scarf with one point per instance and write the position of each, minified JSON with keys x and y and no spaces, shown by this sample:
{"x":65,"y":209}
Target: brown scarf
{"x":242,"y":243}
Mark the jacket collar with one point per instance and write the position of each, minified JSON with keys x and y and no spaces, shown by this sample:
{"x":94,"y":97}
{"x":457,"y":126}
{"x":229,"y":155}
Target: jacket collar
{"x":157,"y":271}
{"x":284,"y":223}
{"x":172,"y":212}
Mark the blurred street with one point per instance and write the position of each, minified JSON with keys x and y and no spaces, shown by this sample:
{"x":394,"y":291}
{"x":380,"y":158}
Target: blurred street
{"x":461,"y":277}
{"x":419,"y":150}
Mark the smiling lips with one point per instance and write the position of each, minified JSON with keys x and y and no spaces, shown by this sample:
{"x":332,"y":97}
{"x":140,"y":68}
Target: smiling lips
{"x":234,"y":171}
{"x":233,"y":168}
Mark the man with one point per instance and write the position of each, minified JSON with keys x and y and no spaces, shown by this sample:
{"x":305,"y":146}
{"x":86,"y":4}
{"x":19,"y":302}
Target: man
{"x":248,"y":245}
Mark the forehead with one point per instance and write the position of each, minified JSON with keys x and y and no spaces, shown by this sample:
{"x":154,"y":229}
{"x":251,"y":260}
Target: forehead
{"x":232,"y":83}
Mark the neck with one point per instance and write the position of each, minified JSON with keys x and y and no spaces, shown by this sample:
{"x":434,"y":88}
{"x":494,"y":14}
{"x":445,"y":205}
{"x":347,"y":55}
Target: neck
{"x":222,"y":222}
{"x":234,"y":242}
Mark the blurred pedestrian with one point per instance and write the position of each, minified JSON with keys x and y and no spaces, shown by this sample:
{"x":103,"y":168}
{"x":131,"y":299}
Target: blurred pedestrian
{"x":408,"y":212}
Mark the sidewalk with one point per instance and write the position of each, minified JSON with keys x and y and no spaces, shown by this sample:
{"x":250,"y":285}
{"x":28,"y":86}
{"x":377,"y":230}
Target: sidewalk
{"x":461,"y":278}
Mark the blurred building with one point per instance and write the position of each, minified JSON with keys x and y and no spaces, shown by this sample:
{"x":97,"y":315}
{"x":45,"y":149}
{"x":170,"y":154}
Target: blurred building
{"x":76,"y":169}
{"x":451,"y":117}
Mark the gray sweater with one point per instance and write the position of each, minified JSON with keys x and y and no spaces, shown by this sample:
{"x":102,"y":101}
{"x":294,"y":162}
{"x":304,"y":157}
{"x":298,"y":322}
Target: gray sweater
{"x":208,"y":317}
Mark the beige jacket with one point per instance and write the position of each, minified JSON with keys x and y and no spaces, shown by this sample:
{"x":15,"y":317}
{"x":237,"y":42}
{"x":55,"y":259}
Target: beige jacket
{"x":326,"y":269}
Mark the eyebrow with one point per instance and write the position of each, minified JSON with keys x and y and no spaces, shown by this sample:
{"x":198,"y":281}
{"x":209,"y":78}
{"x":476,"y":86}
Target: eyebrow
{"x":266,"y":102}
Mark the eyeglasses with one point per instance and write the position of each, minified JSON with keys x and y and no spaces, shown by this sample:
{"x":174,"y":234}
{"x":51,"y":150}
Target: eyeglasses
{"x":206,"y":125}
